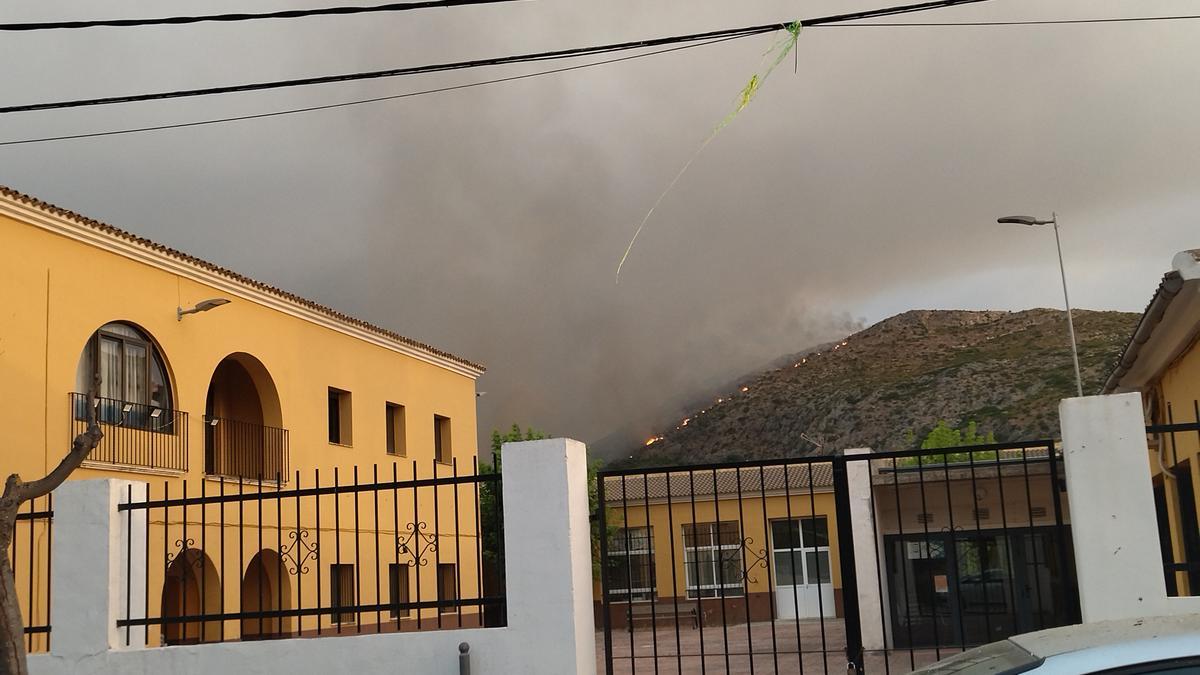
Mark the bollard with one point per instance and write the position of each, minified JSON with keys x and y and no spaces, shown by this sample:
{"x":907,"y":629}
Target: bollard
{"x":464,"y":659}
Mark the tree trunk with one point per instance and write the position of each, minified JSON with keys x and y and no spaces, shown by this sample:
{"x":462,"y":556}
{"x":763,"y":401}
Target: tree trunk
{"x":16,"y":492}
{"x":12,"y":628}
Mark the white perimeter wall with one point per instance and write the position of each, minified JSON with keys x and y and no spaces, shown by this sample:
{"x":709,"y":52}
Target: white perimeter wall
{"x":547,"y":563}
{"x":1114,"y":527}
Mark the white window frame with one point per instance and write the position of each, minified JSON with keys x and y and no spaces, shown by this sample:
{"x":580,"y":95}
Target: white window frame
{"x":720,"y":553}
{"x":801,"y":552}
{"x":617,"y":552}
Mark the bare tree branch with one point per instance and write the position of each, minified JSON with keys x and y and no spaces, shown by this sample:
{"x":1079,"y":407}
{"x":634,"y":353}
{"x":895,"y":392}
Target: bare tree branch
{"x":16,"y":492}
{"x":81,"y":447}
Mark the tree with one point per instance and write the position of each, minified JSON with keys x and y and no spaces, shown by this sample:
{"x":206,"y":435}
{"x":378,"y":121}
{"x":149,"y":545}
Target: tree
{"x":514,"y":435}
{"x":488,"y":508}
{"x":489,"y":497}
{"x":943,"y":436}
{"x":594,"y":509}
{"x":16,"y":493}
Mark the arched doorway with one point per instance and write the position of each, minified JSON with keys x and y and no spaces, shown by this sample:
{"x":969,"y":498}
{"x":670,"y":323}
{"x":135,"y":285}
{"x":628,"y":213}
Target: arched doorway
{"x":191,"y":588}
{"x":244,"y":435}
{"x":265,"y":587}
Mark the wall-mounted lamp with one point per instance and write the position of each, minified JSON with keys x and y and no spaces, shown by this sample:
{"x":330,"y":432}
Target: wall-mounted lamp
{"x":202,"y":306}
{"x":126,"y":408}
{"x":156,"y":413}
{"x":212,"y":422}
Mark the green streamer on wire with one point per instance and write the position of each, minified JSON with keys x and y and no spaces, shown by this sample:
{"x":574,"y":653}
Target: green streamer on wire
{"x":780,"y":51}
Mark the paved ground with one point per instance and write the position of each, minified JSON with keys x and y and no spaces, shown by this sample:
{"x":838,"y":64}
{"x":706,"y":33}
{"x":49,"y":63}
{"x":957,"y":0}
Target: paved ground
{"x":818,"y":654}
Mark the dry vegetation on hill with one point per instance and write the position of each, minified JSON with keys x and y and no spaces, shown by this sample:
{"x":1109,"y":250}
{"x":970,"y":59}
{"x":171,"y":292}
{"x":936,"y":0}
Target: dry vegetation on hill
{"x":1004,"y":370}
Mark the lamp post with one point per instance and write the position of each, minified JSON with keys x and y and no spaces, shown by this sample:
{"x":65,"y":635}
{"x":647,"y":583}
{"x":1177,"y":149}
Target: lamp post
{"x":1035,"y":222}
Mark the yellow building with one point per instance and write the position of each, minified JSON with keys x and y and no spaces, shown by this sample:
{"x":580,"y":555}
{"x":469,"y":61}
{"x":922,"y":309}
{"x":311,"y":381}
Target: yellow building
{"x":1162,"y":362}
{"x":208,"y":378}
{"x":720,"y":546}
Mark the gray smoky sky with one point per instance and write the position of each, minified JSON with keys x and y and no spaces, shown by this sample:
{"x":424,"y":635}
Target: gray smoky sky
{"x":864,"y":180}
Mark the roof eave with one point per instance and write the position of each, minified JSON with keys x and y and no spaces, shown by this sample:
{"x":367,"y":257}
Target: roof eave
{"x":25,"y":208}
{"x":1170,"y":286}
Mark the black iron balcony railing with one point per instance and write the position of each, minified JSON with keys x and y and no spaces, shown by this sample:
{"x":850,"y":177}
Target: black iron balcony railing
{"x":135,"y":434}
{"x":245,"y":450}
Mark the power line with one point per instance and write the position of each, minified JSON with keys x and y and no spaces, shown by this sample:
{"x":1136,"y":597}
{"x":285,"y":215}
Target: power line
{"x":1046,"y":22}
{"x":346,"y":104}
{"x":393,"y":72}
{"x":283,"y":14}
{"x":459,"y":65}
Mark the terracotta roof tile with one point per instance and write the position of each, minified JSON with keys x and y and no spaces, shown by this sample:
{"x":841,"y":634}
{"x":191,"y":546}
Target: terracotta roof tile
{"x":230,"y":274}
{"x":684,"y":483}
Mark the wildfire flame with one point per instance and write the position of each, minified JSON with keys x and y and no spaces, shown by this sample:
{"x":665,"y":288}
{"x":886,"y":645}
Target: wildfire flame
{"x":745,"y":389}
{"x":653,"y":440}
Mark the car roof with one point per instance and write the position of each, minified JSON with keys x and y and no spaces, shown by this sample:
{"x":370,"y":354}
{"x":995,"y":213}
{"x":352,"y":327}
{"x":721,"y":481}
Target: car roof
{"x":1055,"y":641}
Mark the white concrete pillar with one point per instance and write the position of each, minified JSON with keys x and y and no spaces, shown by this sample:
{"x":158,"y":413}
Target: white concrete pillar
{"x":89,"y":575}
{"x":548,"y":554}
{"x":1114,"y":526}
{"x":868,"y":554}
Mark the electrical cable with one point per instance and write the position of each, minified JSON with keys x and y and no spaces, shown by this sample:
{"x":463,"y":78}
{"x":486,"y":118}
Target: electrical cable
{"x":459,"y":65}
{"x":345,"y":104}
{"x":283,"y":14}
{"x":1045,"y":22}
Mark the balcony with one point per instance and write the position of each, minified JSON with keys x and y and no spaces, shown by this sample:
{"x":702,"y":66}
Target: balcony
{"x":237,"y":449}
{"x":136,"y":436}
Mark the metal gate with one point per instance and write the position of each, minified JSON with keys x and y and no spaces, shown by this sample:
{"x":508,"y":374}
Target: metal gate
{"x":752,"y":567}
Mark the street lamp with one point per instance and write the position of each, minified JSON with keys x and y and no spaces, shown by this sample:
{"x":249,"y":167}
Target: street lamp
{"x":202,"y":306}
{"x":1035,"y":222}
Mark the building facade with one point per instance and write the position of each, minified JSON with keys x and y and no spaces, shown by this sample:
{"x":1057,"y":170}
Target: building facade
{"x":711,"y":547}
{"x":207,"y":381}
{"x":1162,"y":362}
{"x":974,"y":550}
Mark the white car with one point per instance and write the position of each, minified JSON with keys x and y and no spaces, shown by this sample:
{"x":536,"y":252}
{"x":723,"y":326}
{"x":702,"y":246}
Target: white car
{"x":1169,"y":645}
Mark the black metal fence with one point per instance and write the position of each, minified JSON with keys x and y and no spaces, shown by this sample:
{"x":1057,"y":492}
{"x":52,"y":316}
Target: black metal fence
{"x":751,"y":566}
{"x":29,"y":556}
{"x":1176,"y":449}
{"x":135,"y":434}
{"x":237,"y":449}
{"x":245,"y":561}
{"x":972,"y":546}
{"x":714,"y":562}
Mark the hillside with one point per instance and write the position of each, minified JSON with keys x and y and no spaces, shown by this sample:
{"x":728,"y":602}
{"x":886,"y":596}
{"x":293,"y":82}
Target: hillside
{"x":1004,"y":370}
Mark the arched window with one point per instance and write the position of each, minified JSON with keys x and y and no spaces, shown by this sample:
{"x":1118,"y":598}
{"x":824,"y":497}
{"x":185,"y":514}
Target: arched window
{"x":129,"y":367}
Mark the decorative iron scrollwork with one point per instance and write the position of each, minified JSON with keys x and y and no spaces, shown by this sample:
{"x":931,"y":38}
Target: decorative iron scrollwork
{"x":744,"y":553}
{"x":298,"y":551}
{"x":193,"y":557}
{"x":753,"y":560}
{"x":417,"y":543}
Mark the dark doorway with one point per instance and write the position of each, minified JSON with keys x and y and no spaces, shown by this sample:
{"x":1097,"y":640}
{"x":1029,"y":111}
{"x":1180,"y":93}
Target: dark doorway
{"x":265,"y":589}
{"x":1189,"y":527}
{"x":976,"y":587}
